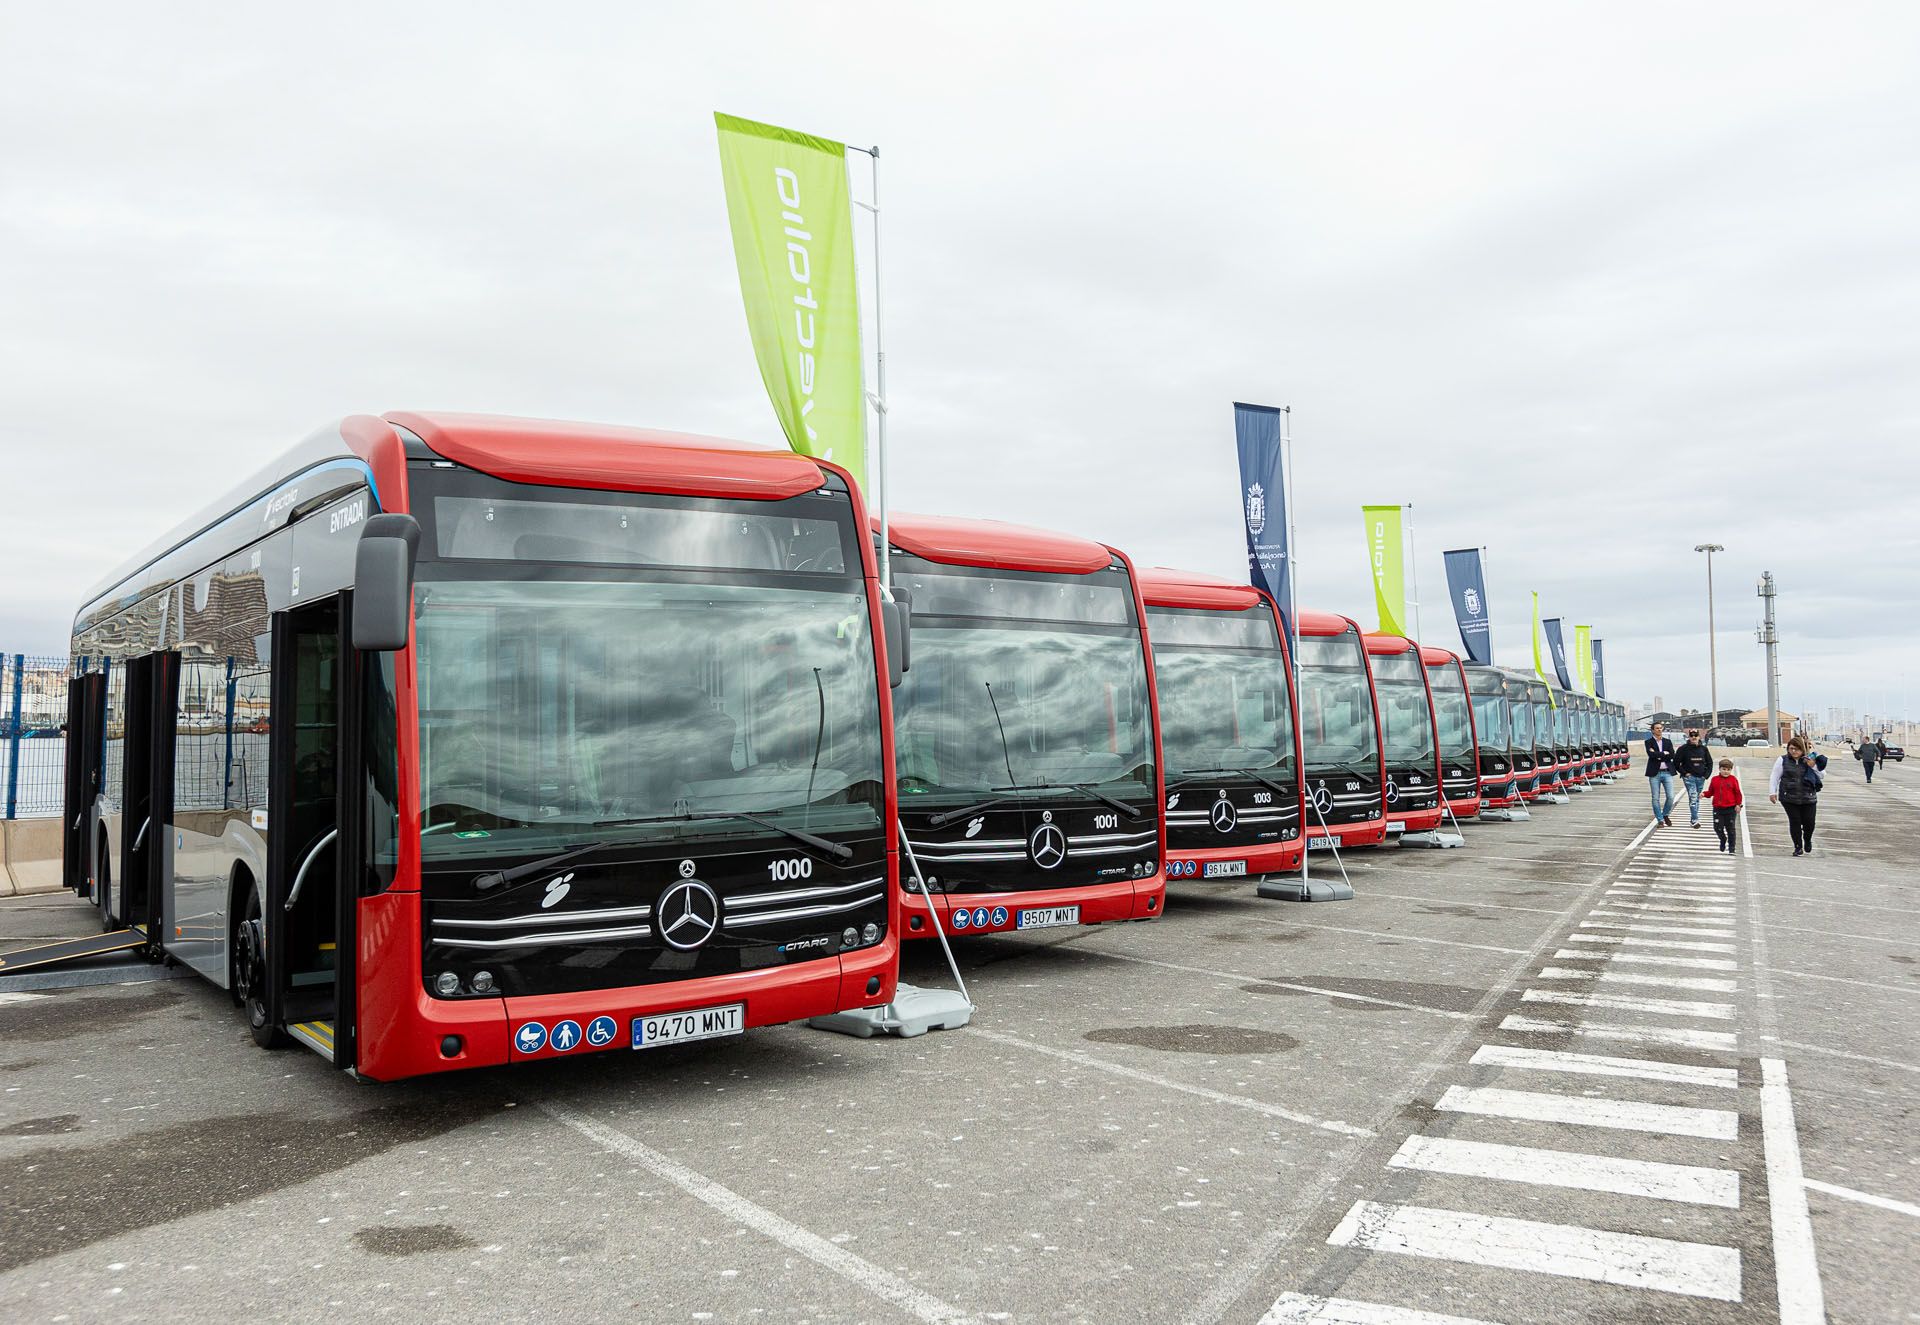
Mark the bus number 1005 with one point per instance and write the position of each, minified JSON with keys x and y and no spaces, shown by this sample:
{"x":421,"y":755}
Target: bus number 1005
{"x":793,"y":867}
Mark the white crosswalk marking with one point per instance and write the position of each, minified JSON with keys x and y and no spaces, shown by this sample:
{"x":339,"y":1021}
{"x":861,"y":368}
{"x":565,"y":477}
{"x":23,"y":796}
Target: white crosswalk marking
{"x":1665,"y":1007}
{"x":1561,"y":1168}
{"x":1585,"y":1111}
{"x":1693,"y":1268}
{"x":1682,"y":1037}
{"x":1647,"y":927}
{"x":1603,"y":1065}
{"x":1648,"y":959}
{"x":1306,"y":1309}
{"x":1631,"y":942}
{"x":1705,"y":984}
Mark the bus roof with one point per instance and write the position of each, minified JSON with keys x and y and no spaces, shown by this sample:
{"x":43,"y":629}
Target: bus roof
{"x":1435,"y":656}
{"x":994,"y":543}
{"x":608,"y":456}
{"x":1324,"y":623}
{"x":1387,"y":646}
{"x":1163,"y":586}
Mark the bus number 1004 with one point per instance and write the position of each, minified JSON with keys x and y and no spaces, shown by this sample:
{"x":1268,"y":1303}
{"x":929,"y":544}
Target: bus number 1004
{"x":793,"y":867}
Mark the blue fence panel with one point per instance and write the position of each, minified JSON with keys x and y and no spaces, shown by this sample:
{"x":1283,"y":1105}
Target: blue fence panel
{"x":33,"y":746}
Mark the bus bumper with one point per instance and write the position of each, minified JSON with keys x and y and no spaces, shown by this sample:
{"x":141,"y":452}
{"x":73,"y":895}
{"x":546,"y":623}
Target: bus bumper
{"x":1415,"y":821}
{"x":1368,"y":833}
{"x":999,"y":913}
{"x":1261,"y":858}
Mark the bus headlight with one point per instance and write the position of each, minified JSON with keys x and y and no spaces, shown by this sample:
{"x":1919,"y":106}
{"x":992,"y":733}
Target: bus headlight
{"x":871,"y":934}
{"x":446,"y":984}
{"x":851,"y":938}
{"x":482,"y":982}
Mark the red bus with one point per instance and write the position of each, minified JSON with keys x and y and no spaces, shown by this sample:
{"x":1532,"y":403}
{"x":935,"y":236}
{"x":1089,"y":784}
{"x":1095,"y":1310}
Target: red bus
{"x":1459,"y":741}
{"x":1408,"y":734}
{"x":1503,"y":734}
{"x":449,"y":740}
{"x":1340,"y":734}
{"x":1028,"y":749}
{"x":1228,"y":731}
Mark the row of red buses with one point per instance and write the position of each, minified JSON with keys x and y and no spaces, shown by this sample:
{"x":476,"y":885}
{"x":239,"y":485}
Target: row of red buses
{"x":1410,"y":738}
{"x":451,"y":740}
{"x":1459,"y":741}
{"x":1340,"y":738}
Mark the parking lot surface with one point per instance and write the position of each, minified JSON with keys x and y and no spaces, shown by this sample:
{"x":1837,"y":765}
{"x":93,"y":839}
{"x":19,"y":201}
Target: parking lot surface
{"x":1577,"y":1071}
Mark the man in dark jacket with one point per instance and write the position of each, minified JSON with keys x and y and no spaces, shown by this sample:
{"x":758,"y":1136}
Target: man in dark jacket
{"x":1660,"y":769}
{"x":1696,"y":766}
{"x":1869,"y":754}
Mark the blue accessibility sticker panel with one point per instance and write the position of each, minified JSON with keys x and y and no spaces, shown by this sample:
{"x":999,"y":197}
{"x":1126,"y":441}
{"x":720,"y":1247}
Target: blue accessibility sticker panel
{"x":530,"y":1038}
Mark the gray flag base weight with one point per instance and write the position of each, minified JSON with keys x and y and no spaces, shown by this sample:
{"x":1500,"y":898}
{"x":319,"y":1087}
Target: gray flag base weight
{"x":1306,"y":888}
{"x":1506,"y":814}
{"x":1433,"y":837}
{"x":914,"y":1011}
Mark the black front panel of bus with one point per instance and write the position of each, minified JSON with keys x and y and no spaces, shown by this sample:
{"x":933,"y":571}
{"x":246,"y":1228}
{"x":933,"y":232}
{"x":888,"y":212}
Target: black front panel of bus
{"x":620,"y":916}
{"x":1342,"y":798}
{"x":1411,"y":789}
{"x":1231,"y":812}
{"x":1029,"y":848}
{"x":1460,"y":780}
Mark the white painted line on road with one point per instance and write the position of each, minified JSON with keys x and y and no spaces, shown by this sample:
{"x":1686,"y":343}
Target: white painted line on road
{"x":1588,"y":1111}
{"x":1671,"y":909}
{"x":1383,"y":934}
{"x":1834,"y":901}
{"x":14,"y":996}
{"x":1796,"y":1268}
{"x":1675,"y":894}
{"x":1666,"y":1007}
{"x":1865,"y":1198}
{"x":1680,"y":1037}
{"x":1746,"y":837}
{"x":1611,"y":921}
{"x":1693,"y":1268}
{"x":1648,"y":959}
{"x":1843,"y":980}
{"x":1431,"y":898}
{"x":1703,"y":983}
{"x":1307,"y":1309}
{"x":1842,"y":1053}
{"x":1168,"y":1083}
{"x":1631,"y":942}
{"x":1902,"y":942}
{"x":1234,"y":977}
{"x":1641,"y":836}
{"x":1686,"y":1183}
{"x":1601,"y":1065}
{"x":863,"y":1273}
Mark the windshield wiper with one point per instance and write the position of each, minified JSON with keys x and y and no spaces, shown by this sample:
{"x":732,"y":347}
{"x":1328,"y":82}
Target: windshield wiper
{"x":1187,"y":775}
{"x":946,"y":817}
{"x":1131,"y":811}
{"x":486,"y":883}
{"x":838,"y":850}
{"x":1348,"y":769}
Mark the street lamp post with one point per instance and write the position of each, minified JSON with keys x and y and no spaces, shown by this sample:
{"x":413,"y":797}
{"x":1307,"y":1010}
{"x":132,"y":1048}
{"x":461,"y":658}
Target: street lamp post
{"x":1713,"y":661}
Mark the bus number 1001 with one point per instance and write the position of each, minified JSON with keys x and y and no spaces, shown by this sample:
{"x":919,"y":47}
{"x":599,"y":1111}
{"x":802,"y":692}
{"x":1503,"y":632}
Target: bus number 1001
{"x":793,"y":867}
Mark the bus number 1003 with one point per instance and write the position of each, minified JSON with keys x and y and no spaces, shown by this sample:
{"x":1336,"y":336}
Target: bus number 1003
{"x":793,"y":867}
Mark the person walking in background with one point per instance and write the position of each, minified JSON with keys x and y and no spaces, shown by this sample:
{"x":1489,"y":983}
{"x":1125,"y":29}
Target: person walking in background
{"x":1868,"y":753}
{"x":1724,"y":793}
{"x":1660,"y":773}
{"x":1795,"y":788}
{"x":1696,"y":766}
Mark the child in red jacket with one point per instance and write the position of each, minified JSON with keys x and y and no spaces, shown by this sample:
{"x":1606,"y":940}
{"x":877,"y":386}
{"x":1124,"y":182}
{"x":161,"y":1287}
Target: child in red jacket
{"x":1724,"y":792}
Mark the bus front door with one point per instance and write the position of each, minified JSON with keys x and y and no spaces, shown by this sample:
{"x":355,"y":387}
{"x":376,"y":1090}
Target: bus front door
{"x":86,"y":724}
{"x":309,"y":897}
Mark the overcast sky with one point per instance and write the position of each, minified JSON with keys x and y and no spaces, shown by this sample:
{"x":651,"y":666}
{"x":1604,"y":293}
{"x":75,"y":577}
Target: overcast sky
{"x":1588,"y":285}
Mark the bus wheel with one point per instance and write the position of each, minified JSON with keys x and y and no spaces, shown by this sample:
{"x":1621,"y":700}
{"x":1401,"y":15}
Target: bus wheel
{"x":106,"y":888}
{"x":250,"y":974}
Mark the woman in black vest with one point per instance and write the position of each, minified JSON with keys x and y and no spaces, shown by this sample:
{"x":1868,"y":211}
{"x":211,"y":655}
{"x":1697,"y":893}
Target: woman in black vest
{"x":1795,"y":788}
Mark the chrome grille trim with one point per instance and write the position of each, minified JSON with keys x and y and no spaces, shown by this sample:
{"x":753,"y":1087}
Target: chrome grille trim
{"x":799,"y":894}
{"x":536,"y":940}
{"x":551,"y":917}
{"x":800,"y":912}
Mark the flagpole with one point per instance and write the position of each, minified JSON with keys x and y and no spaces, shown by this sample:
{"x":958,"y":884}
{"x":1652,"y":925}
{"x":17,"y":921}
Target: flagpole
{"x":879,"y":396}
{"x":1413,"y":559}
{"x":1293,"y":628}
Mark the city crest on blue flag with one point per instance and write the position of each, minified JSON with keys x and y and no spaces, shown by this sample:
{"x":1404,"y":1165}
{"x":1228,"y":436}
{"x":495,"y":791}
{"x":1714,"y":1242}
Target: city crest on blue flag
{"x":1556,"y":641}
{"x":1467,"y":584}
{"x":1599,"y":671}
{"x":1263,"y":505}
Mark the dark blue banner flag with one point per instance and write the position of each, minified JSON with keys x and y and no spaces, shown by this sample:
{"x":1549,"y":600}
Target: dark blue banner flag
{"x":1263,"y":505}
{"x":1556,"y":641}
{"x":1599,"y":670}
{"x":1467,"y":583}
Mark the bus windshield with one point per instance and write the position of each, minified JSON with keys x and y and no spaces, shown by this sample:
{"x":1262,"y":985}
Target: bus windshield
{"x":1336,"y":712}
{"x":1404,"y":711}
{"x":1450,"y":711}
{"x":1223,"y":690}
{"x":1021,"y":681}
{"x":561,"y":700}
{"x":1490,"y":713}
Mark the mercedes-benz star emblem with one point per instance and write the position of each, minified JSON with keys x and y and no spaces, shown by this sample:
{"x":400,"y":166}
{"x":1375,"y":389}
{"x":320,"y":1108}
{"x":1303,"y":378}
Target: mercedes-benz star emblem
{"x":688,"y":914}
{"x":1223,"y":816}
{"x":1393,"y":791}
{"x":1322,"y":798}
{"x":1047,"y":846}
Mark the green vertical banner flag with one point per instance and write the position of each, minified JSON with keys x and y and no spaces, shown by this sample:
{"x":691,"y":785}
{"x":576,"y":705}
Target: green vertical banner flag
{"x":1539,"y":666}
{"x":1385,"y":556}
{"x":1583,"y":657}
{"x":792,"y":220}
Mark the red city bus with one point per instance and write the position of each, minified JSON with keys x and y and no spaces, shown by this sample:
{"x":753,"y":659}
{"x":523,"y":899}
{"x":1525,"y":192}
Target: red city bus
{"x":1028,"y":744}
{"x":1459,"y":741}
{"x":1340,"y":734}
{"x":450,"y":740}
{"x":1408,"y":734}
{"x":1228,"y":730}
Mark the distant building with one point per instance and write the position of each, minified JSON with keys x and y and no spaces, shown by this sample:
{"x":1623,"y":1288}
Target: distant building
{"x":1757,"y":722}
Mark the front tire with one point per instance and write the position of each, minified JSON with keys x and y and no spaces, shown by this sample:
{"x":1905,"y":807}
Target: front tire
{"x":250,"y":974}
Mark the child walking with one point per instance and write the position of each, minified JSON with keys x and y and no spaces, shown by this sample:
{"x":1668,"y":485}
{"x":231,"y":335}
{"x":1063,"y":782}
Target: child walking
{"x":1724,"y":792}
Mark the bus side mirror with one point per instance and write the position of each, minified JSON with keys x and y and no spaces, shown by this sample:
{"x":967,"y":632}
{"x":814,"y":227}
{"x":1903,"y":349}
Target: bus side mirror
{"x":383,"y":582}
{"x":898,"y":618}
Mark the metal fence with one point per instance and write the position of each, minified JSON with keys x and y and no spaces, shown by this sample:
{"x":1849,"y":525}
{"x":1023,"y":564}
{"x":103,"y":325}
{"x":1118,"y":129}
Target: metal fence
{"x":33,"y":745}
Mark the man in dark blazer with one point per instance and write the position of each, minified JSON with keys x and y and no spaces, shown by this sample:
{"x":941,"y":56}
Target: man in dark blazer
{"x":1660,"y":771}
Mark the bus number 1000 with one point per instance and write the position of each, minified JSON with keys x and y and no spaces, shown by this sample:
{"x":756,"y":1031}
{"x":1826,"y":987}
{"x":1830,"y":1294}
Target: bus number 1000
{"x":793,"y":867}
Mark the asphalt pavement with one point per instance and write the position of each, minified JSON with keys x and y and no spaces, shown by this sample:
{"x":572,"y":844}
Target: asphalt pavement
{"x":1577,"y":1071}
